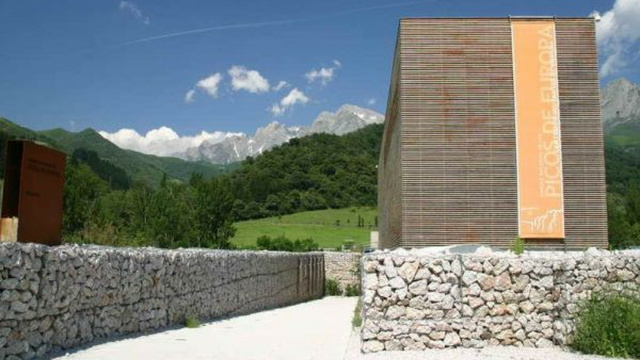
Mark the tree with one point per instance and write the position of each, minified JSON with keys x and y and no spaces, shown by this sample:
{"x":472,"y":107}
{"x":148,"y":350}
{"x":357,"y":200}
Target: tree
{"x":83,"y":188}
{"x":213,"y":204}
{"x":171,"y":216}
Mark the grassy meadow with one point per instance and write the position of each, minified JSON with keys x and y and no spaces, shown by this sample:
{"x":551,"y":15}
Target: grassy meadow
{"x":329,"y":228}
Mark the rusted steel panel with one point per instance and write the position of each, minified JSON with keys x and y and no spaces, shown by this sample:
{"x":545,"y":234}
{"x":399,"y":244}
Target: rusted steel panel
{"x":33,"y":192}
{"x":453,"y":161}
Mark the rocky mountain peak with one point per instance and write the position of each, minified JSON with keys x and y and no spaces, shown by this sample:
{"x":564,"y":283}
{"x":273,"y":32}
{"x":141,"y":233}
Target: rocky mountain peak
{"x":620,"y":102}
{"x":367,"y":115}
{"x":346,"y":119}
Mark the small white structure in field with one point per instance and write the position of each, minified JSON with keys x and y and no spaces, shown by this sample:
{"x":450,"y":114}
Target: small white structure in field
{"x":374,"y":239}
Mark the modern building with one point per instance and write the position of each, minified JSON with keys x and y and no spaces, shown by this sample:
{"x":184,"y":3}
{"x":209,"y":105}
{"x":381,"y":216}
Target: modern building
{"x":493,"y":132}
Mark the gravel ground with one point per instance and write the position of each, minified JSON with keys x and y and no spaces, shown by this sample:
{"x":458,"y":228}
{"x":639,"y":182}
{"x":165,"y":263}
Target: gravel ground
{"x":318,"y":329}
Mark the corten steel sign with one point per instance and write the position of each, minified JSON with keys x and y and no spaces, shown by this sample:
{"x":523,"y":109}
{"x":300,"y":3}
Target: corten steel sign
{"x":33,"y":191}
{"x":538,"y":144}
{"x":493,"y":131}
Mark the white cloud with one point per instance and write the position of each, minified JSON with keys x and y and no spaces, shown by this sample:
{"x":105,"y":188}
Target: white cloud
{"x":190,"y":96}
{"x":162,"y":141}
{"x":618,"y":32}
{"x":371,"y":101}
{"x":277,"y":110}
{"x":210,"y":84}
{"x":294,"y":97}
{"x":281,"y":85}
{"x":135,"y":11}
{"x":324,"y":74}
{"x":249,"y":80}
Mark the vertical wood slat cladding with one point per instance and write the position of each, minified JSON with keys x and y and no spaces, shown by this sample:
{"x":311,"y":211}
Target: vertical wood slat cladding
{"x":582,"y":142}
{"x":452,"y":144}
{"x":458,"y":132}
{"x":389,"y":167}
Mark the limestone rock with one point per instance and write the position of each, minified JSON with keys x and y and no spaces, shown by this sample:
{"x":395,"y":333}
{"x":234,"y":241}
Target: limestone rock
{"x":486,"y":281}
{"x":392,"y":345}
{"x":372,"y":346}
{"x":395,"y":312}
{"x":397,"y":283}
{"x":408,"y":270}
{"x":385,"y":292}
{"x":452,"y":339}
{"x":544,"y":343}
{"x":475,"y":302}
{"x":503,"y":281}
{"x":418,"y":287}
{"x":526,"y":306}
{"x":469,"y":277}
{"x":547,"y":282}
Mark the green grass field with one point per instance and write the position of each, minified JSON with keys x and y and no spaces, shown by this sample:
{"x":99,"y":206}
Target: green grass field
{"x":319,"y":225}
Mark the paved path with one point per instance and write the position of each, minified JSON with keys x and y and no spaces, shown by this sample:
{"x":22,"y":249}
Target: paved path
{"x":313,"y":330}
{"x":318,"y":329}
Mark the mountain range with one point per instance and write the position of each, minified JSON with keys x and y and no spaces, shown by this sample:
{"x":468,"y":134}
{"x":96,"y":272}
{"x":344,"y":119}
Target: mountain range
{"x":209,"y":158}
{"x":236,"y":147}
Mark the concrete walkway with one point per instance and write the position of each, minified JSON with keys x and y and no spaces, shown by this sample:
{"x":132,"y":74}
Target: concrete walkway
{"x":317,"y":329}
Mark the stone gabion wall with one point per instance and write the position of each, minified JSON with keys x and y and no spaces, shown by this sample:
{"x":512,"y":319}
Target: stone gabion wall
{"x":413,"y":300}
{"x":55,"y":298}
{"x":342,"y":267}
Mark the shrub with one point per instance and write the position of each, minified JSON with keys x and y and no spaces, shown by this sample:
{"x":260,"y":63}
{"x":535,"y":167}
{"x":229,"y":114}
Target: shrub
{"x":609,"y":325}
{"x":331,"y":288}
{"x":191,"y":322}
{"x":352,"y":290}
{"x":517,"y":246}
{"x":281,"y":243}
{"x":356,"y":321}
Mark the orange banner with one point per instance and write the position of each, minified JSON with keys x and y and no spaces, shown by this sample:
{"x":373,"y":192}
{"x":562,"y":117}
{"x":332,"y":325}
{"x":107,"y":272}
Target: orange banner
{"x":540,"y":197}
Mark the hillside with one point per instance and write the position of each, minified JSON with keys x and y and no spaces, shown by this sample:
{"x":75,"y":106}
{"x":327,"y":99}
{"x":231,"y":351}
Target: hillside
{"x":140,"y":167}
{"x":329,"y":228}
{"x":148,"y":168}
{"x":18,"y":132}
{"x":315,"y":172}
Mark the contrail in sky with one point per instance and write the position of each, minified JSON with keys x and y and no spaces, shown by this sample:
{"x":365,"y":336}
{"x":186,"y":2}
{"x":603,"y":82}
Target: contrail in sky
{"x":213,"y":28}
{"x":267,"y":23}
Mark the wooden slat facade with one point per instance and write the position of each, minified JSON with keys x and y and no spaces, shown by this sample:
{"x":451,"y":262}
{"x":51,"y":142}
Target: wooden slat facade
{"x":447,"y":172}
{"x":582,"y":141}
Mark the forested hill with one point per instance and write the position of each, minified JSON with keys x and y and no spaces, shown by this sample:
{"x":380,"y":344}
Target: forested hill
{"x":622,"y":161}
{"x":313,"y":172}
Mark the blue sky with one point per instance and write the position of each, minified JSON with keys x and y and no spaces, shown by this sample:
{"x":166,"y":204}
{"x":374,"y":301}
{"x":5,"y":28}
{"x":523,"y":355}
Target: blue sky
{"x":77,"y":63}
